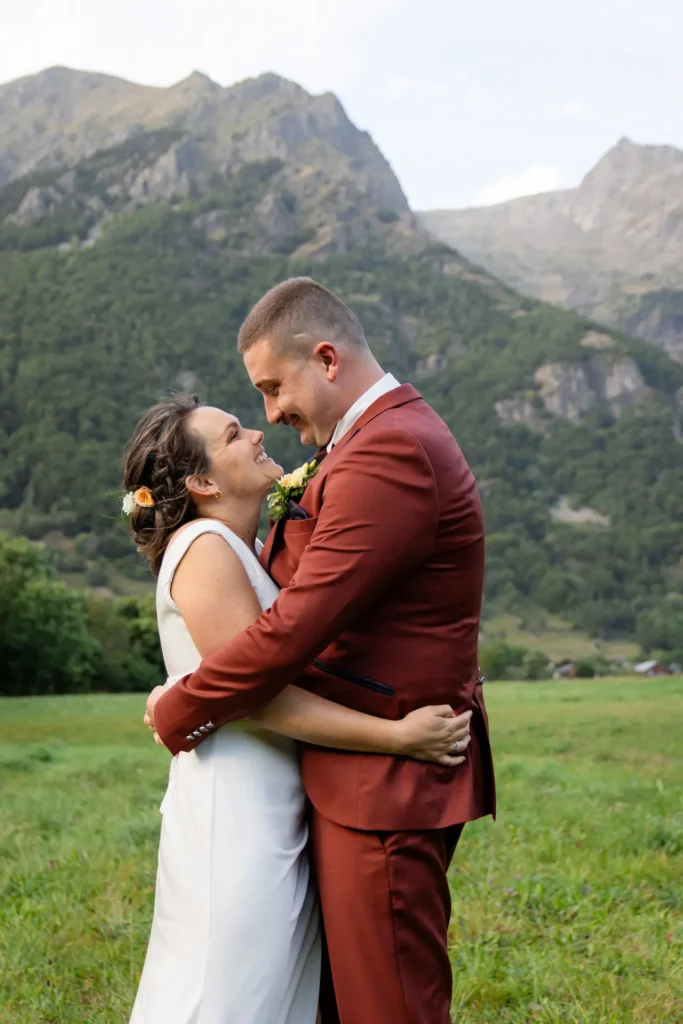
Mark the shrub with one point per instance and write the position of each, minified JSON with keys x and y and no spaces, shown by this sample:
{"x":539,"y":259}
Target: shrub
{"x":45,"y":645}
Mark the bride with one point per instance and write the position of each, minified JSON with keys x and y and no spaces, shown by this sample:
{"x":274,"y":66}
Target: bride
{"x":235,"y":935}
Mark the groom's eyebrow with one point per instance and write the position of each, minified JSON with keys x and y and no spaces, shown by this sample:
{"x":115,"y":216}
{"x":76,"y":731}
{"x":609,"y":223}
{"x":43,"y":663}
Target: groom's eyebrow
{"x":268,"y":382}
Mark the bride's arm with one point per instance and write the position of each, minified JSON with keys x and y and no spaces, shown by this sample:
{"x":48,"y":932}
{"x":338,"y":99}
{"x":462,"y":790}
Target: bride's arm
{"x":217,"y":601}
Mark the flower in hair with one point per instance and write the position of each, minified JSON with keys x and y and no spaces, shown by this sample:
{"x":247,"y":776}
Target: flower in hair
{"x":142,"y":496}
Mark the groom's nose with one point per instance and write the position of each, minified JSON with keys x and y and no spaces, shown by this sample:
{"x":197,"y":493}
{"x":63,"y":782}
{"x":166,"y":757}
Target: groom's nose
{"x":274,"y":413}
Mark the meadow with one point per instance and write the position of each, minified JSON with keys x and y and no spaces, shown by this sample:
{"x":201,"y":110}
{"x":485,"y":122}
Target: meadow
{"x":567,"y":909}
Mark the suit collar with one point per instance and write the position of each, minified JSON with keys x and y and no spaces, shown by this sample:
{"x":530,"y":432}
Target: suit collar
{"x":391,"y":400}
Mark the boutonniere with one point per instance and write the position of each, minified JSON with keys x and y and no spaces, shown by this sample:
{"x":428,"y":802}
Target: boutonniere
{"x":288,"y":488}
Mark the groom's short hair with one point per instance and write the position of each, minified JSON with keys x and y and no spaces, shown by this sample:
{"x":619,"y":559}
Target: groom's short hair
{"x":299,"y":313}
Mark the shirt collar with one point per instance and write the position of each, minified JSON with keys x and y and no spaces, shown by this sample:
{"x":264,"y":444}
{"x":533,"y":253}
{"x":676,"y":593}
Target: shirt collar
{"x":385,"y":384}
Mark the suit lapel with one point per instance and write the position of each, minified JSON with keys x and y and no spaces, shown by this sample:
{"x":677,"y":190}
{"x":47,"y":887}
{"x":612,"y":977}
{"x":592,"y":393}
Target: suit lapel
{"x":267,"y":550}
{"x":275,"y":535}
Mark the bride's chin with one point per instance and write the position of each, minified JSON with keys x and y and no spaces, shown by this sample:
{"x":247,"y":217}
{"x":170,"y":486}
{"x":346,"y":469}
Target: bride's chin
{"x":272,"y":474}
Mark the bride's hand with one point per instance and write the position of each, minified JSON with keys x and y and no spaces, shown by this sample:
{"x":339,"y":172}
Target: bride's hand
{"x":431,"y":734}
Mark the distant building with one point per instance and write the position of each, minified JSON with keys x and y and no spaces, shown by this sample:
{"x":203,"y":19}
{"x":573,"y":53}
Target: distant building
{"x":651,"y":668}
{"x":567,"y":670}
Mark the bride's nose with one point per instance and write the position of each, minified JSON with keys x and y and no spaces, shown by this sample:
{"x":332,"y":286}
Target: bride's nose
{"x":256,"y":437}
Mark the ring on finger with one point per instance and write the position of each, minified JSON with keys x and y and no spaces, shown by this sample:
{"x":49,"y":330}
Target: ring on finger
{"x":456,"y":747}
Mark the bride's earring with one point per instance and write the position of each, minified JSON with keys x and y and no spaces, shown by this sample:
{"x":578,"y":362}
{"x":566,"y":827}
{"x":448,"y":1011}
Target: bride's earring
{"x":218,"y":495}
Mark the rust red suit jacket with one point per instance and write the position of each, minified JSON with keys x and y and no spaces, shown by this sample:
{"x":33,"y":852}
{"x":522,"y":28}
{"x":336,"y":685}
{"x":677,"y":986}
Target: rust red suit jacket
{"x":379,"y":611}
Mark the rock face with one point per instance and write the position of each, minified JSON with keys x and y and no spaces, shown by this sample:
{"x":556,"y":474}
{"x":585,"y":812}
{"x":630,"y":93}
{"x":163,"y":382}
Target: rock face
{"x":61,"y":116}
{"x":564,"y":513}
{"x":612,"y":248}
{"x":598,"y":340}
{"x":37,"y":203}
{"x":520,"y":411}
{"x":172,"y":175}
{"x":74,"y":139}
{"x":569,"y":390}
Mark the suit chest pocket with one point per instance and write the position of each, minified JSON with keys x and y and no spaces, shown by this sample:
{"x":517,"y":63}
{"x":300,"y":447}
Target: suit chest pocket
{"x":296,"y":535}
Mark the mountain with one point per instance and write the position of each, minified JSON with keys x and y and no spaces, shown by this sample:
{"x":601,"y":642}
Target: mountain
{"x":116,"y":293}
{"x":80,"y":147}
{"x":611,"y":248}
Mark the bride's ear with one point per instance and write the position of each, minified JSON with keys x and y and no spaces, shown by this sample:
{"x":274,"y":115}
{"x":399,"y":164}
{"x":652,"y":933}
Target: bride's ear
{"x":201,"y":486}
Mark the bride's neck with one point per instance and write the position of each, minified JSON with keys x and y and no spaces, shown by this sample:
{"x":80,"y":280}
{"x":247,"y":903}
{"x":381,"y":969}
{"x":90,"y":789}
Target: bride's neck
{"x":241,"y":515}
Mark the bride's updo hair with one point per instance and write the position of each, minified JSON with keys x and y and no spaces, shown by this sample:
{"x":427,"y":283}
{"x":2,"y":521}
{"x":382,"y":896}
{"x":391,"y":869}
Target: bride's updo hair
{"x":161,"y":454}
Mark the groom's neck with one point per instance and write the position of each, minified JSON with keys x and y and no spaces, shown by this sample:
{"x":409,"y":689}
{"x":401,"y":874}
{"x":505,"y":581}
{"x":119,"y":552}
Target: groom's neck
{"x":360,"y":378}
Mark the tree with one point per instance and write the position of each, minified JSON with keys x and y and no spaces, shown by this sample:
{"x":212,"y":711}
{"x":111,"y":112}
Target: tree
{"x":498,"y":660}
{"x":585,"y":669}
{"x":45,"y":646}
{"x":661,"y":627}
{"x":129,"y":641}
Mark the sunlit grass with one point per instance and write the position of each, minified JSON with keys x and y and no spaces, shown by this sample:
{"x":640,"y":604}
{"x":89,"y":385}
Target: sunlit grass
{"x":567,"y":909}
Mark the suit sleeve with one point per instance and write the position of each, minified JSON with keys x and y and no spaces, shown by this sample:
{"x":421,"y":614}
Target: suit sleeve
{"x":378,"y":521}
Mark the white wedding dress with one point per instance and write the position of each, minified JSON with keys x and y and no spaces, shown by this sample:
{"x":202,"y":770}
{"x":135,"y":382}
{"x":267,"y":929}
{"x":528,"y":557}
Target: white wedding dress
{"x":235,"y":936}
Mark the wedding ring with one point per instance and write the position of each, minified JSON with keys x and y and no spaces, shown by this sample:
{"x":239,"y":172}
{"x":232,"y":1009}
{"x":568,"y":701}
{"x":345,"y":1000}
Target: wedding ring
{"x":455,"y":747}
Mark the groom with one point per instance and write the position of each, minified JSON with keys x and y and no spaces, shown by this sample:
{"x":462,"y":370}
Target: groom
{"x":382,"y":578}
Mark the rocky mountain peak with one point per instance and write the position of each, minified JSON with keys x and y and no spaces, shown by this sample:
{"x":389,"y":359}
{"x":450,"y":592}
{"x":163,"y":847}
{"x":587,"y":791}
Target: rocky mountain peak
{"x":85,"y":148}
{"x":627,"y":165}
{"x":611,"y":248}
{"x":61,"y":116}
{"x":196,"y":85}
{"x":266,"y":85}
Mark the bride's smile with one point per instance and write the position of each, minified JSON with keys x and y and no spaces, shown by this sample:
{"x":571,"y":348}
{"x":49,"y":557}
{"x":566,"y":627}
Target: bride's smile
{"x":239,"y":464}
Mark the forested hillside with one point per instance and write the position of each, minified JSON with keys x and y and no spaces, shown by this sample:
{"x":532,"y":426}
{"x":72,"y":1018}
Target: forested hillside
{"x":574,"y":432}
{"x":91,"y":336}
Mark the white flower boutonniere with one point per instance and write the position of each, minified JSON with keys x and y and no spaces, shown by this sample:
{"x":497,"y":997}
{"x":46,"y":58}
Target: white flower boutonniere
{"x":288,"y":488}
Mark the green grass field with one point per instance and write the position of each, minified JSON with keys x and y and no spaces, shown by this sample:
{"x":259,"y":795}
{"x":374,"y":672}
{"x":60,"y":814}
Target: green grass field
{"x":568,"y":909}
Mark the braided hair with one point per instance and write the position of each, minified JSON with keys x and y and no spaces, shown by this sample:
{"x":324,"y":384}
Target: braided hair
{"x":161,"y":454}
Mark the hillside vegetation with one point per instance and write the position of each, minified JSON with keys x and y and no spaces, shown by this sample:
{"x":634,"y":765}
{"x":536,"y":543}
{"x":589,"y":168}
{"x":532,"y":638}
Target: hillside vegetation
{"x":126,"y":271}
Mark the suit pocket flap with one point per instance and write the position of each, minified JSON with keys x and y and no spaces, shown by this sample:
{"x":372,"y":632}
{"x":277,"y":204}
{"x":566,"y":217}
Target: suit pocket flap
{"x":299,"y":527}
{"x":296,"y":536}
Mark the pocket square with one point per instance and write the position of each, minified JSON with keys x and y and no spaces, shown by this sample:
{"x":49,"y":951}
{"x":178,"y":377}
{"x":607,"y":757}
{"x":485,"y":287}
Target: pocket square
{"x":295,"y":511}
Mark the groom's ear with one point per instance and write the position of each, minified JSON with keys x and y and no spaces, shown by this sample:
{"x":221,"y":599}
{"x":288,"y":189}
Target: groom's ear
{"x":328,"y":355}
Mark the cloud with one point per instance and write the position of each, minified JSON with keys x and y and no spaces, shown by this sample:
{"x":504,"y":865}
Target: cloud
{"x":537,"y":178}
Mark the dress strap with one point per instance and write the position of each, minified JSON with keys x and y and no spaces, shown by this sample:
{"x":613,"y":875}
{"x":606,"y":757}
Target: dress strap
{"x":179,"y":547}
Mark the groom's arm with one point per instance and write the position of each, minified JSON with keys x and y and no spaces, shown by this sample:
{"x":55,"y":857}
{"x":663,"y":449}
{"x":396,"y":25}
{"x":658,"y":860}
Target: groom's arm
{"x":378,"y":520}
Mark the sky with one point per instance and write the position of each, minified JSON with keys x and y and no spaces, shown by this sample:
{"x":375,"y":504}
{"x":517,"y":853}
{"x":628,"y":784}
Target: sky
{"x":472,"y":102}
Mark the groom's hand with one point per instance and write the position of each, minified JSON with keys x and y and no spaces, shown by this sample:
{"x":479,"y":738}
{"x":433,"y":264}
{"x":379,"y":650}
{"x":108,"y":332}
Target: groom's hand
{"x":149,"y":713}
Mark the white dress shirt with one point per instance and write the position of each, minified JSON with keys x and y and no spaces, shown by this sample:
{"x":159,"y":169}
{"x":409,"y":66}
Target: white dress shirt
{"x":385,"y":384}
